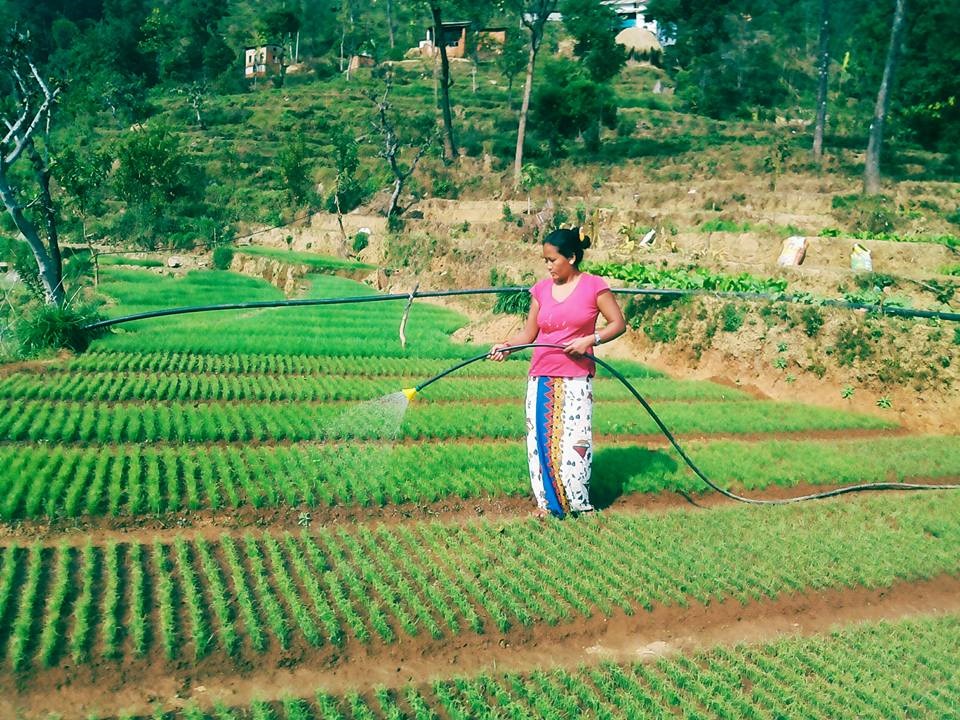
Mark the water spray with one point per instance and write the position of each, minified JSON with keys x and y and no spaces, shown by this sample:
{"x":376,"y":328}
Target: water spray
{"x":412,"y":392}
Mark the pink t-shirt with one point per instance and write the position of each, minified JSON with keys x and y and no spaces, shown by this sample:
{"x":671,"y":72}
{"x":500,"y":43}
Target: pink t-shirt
{"x":561,"y":322}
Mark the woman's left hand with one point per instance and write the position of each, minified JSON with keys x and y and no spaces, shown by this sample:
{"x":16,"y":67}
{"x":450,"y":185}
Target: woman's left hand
{"x":578,"y":348}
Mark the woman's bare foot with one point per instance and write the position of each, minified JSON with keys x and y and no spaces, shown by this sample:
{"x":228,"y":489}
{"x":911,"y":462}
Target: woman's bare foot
{"x":540,"y":513}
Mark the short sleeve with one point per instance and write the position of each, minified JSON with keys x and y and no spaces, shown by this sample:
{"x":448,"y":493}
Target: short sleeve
{"x":599,"y":285}
{"x":537,"y":291}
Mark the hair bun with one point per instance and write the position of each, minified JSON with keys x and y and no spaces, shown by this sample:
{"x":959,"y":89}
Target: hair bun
{"x":584,"y":238}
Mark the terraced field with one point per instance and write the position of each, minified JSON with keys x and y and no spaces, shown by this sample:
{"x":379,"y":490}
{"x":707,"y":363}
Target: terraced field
{"x":217,"y":516}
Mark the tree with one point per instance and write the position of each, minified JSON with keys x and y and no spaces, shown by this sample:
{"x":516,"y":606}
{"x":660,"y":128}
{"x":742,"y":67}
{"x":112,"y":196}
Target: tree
{"x":439,"y":41}
{"x":534,"y":15}
{"x":871,"y":171}
{"x":162,"y":189}
{"x":513,"y":58}
{"x":729,"y":57}
{"x":295,"y":169}
{"x":423,"y":134}
{"x":823,"y":57}
{"x":570,"y":103}
{"x":26,"y":109}
{"x":81,"y":174}
{"x":347,"y":192}
{"x":594,"y":28}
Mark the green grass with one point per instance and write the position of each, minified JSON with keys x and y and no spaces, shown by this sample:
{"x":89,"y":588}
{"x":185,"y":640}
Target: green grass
{"x":363,"y":330}
{"x":113,"y":260}
{"x":317,"y":263}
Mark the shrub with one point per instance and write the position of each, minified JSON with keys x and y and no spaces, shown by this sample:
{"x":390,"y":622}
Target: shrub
{"x":46,"y":327}
{"x":731,"y":318}
{"x":812,"y":321}
{"x":664,"y":328}
{"x":871,"y":214}
{"x":360,"y":242}
{"x":222,"y":257}
{"x":512,"y":303}
{"x":852,"y":345}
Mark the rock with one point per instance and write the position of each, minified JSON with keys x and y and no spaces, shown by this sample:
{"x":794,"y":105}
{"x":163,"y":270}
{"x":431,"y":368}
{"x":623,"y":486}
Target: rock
{"x":174,"y":261}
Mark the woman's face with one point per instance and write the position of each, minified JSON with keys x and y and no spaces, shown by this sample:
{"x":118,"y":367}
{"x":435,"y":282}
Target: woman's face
{"x":560,"y":268}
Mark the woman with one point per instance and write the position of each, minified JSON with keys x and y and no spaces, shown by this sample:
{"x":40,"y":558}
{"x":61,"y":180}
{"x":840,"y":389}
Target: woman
{"x":563,"y":311}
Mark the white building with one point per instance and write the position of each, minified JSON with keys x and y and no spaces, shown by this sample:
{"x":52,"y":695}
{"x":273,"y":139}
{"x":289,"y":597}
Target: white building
{"x":633,"y":14}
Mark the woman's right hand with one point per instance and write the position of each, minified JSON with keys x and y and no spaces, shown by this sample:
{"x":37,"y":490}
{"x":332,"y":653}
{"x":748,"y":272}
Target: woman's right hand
{"x":497,"y":353}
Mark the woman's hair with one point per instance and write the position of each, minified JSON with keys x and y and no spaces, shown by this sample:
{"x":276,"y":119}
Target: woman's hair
{"x":570,"y":243}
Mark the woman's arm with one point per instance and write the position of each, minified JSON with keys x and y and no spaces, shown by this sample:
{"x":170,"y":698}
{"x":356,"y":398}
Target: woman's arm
{"x":527,"y":335}
{"x":616,"y":325}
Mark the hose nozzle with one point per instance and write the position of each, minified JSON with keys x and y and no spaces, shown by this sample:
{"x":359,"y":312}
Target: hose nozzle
{"x":411,"y":393}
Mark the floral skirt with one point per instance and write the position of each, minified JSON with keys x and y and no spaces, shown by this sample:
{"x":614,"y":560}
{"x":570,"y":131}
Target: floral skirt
{"x":560,"y":442}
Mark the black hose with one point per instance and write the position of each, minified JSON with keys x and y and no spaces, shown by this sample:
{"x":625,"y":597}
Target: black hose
{"x":668,"y":292}
{"x":673,"y":441}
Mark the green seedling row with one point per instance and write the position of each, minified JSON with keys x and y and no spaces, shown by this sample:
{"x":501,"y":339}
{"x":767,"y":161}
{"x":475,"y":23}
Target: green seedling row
{"x":152,"y":422}
{"x":129,"y":480}
{"x":128,"y":387}
{"x":882,"y":669}
{"x":330,"y":584}
{"x":233,"y":363}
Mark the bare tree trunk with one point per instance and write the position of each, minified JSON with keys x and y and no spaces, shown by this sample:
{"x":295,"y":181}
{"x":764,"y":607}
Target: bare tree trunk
{"x":824,"y":55}
{"x":393,"y":43}
{"x":392,"y":148}
{"x":25,"y":116}
{"x":871,"y":172}
{"x":449,"y":146}
{"x":343,"y":232}
{"x":524,"y":109}
{"x":47,"y":266}
{"x":534,"y":16}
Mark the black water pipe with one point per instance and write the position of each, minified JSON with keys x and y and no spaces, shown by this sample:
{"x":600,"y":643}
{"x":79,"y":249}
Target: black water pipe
{"x":668,"y":292}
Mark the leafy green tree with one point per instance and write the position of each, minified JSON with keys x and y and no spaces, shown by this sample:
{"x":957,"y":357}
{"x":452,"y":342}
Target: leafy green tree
{"x":594,"y":27}
{"x":347,"y":192}
{"x":185,"y":40}
{"x":82,"y":173}
{"x":513,"y":58}
{"x":569,"y":103}
{"x":726,"y":55}
{"x":152,"y":169}
{"x":295,"y":169}
{"x":928,"y":98}
{"x":162,"y":188}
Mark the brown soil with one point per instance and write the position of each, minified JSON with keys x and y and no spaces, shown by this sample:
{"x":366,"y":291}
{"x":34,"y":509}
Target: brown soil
{"x":645,"y":636}
{"x":37,"y":367}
